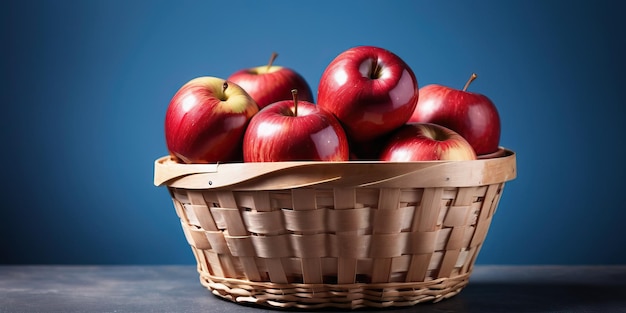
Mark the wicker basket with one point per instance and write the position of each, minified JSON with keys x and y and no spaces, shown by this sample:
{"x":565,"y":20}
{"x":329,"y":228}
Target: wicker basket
{"x":336,"y":234}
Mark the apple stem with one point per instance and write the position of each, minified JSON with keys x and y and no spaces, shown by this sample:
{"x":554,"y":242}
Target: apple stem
{"x":272,"y":58}
{"x":224,"y":86}
{"x":294,"y":93}
{"x":374,"y":70}
{"x":469,"y":81}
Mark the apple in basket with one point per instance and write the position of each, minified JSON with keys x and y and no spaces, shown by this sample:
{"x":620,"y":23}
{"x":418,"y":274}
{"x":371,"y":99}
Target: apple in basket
{"x":372,"y":91}
{"x":206,"y":120}
{"x":472,"y":115}
{"x":293,"y":130}
{"x":270,"y":83}
{"x":426,"y":142}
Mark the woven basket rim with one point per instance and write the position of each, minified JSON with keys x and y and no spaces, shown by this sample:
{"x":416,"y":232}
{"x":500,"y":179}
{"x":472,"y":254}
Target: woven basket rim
{"x":289,"y":175}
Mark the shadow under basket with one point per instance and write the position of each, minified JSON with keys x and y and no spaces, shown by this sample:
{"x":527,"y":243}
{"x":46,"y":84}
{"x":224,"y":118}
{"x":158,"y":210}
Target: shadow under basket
{"x":336,"y":234}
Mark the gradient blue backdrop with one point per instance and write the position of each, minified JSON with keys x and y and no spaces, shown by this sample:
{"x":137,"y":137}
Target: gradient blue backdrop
{"x":85,"y":86}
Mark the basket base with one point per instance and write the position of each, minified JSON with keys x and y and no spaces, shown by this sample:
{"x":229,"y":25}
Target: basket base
{"x":343,"y":296}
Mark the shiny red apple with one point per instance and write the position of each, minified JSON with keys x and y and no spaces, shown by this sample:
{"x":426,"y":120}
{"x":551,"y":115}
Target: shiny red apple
{"x":271,"y":83}
{"x":426,"y":142}
{"x":293,"y":130}
{"x":472,"y":115}
{"x":372,"y":91}
{"x":206,"y":120}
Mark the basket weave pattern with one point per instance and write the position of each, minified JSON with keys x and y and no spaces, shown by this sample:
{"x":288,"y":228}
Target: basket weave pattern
{"x":344,"y":247}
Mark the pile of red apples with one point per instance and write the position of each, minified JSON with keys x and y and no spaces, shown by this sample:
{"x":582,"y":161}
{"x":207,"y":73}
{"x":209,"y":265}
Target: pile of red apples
{"x":369,"y":107}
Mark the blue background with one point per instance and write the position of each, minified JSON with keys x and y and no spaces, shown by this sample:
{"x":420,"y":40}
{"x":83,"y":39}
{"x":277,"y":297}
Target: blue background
{"x":85,"y":86}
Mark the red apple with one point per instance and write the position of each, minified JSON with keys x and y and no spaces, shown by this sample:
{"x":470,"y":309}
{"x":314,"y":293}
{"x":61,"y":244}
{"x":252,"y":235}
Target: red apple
{"x":271,"y":83}
{"x":370,"y":90}
{"x":293,"y":130}
{"x":472,"y":115}
{"x":426,"y":142}
{"x":206,"y":120}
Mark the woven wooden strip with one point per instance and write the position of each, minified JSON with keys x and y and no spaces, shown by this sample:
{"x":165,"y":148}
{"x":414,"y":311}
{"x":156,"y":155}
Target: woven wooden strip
{"x":457,"y":216}
{"x":278,"y":246}
{"x":195,"y":197}
{"x":187,"y":234}
{"x":425,"y":220}
{"x":460,"y":262}
{"x":392,"y":221}
{"x":230,"y":266}
{"x":484,"y":217}
{"x":198,"y":238}
{"x":467,"y":238}
{"x":276,"y":270}
{"x":447,"y":263}
{"x":240,"y":246}
{"x":348,"y":243}
{"x":387,"y":246}
{"x":217,"y":242}
{"x":201,"y":263}
{"x":308,"y":221}
{"x":261,"y":201}
{"x":250,"y":268}
{"x":456,"y":238}
{"x":421,"y":242}
{"x":356,"y":220}
{"x":267,"y":222}
{"x":203,"y":217}
{"x":264,"y":223}
{"x":230,"y":214}
{"x":427,"y":213}
{"x":190,"y":215}
{"x":309,"y":246}
{"x":389,"y":199}
{"x":384,"y":248}
{"x":465,"y":196}
{"x":496,"y":200}
{"x":212,"y":262}
{"x":180,"y":210}
{"x":481,"y":232}
{"x":488,"y":202}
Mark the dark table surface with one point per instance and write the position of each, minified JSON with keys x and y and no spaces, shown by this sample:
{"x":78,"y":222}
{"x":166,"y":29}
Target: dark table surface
{"x":39,"y":288}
